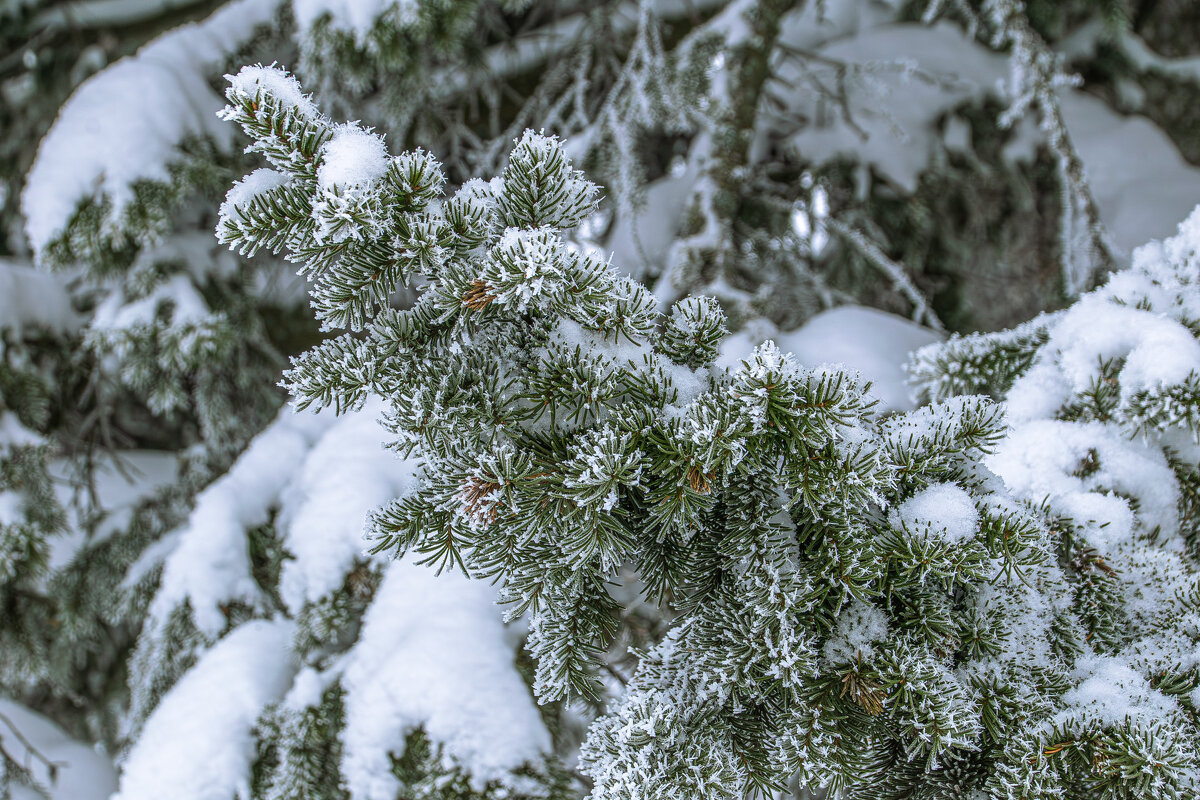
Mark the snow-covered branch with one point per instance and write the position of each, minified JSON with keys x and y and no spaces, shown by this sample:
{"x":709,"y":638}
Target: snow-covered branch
{"x":1087,"y":251}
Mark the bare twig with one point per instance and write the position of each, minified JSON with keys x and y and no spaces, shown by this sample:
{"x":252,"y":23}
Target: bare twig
{"x":52,"y":767}
{"x":611,"y":670}
{"x":896,"y":273}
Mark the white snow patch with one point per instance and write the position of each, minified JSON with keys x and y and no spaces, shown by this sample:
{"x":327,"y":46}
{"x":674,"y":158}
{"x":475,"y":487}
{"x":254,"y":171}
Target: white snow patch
{"x":14,"y":434}
{"x":84,"y":773}
{"x":1157,"y":350}
{"x":122,"y":480}
{"x":1085,"y":470}
{"x":249,"y":187}
{"x":891,"y":99}
{"x":1140,"y":198}
{"x":737,"y":347}
{"x":433,"y":652}
{"x":1110,"y":692}
{"x":942,"y":511}
{"x":307,"y":688}
{"x":126,"y":123}
{"x":10,"y":508}
{"x":188,"y":307}
{"x":152,"y":558}
{"x":30,"y":298}
{"x":198,"y":744}
{"x":639,"y":241}
{"x":347,"y":475}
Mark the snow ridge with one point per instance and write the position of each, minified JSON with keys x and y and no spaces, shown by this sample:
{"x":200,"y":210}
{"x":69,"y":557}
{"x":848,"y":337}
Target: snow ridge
{"x":434,"y":652}
{"x":126,"y":123}
{"x":198,"y":744}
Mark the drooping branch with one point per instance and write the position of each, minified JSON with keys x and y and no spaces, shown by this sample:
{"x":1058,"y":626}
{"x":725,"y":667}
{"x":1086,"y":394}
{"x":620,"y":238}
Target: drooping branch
{"x":547,"y":44}
{"x":741,"y":67}
{"x":1087,"y":250}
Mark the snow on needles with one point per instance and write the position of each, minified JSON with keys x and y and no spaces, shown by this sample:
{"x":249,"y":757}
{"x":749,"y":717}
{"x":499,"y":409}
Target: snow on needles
{"x":1110,"y":692}
{"x":434,"y":652}
{"x":126,"y":123}
{"x":1093,"y":428}
{"x":1156,"y":351}
{"x":860,"y":628}
{"x":1086,"y":473}
{"x":250,"y":80}
{"x":249,"y":187}
{"x":1106,"y":469}
{"x":178,"y":756}
{"x":354,"y":157}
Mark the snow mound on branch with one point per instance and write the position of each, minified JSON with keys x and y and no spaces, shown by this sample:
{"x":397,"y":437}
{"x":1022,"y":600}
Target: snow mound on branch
{"x":1153,"y":350}
{"x":14,"y":434}
{"x":943,"y":511}
{"x":901,"y":79}
{"x":1140,"y":198}
{"x":324,"y":474}
{"x":354,"y":157}
{"x":10,"y":508}
{"x":354,"y":17}
{"x":873,"y":343}
{"x":211,"y":564}
{"x":643,"y":239}
{"x":435,"y":653}
{"x":126,"y":123}
{"x":347,"y":474}
{"x":178,"y":292}
{"x":198,"y":743}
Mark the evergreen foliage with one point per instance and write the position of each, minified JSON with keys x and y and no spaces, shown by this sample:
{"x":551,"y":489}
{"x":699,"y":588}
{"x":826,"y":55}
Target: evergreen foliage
{"x":1104,"y":439}
{"x":864,"y":605}
{"x":722,"y":578}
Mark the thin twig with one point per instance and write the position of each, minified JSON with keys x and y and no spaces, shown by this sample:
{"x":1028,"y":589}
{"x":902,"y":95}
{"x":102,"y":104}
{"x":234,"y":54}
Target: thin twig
{"x":611,"y":670}
{"x":52,"y":767}
{"x":896,"y":273}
